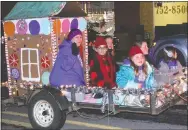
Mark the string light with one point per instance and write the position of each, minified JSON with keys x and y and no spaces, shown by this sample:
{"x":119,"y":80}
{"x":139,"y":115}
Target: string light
{"x":7,"y":61}
{"x":86,"y":58}
{"x":53,"y":42}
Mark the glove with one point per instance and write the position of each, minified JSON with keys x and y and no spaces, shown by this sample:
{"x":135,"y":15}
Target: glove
{"x":75,"y":49}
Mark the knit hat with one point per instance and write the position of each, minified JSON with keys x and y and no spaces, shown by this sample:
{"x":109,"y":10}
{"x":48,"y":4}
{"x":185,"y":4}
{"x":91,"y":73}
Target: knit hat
{"x":135,"y":50}
{"x":73,"y":33}
{"x":100,"y":41}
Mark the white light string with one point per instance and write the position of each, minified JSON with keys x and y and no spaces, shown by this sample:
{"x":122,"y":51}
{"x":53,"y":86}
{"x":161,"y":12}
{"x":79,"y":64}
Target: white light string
{"x":53,"y":42}
{"x":86,"y":58}
{"x":8,"y":65}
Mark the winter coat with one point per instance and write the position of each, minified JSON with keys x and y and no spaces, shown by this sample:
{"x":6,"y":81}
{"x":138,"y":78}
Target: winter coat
{"x":102,"y":73}
{"x":172,"y":66}
{"x":68,"y":68}
{"x":126,"y":77}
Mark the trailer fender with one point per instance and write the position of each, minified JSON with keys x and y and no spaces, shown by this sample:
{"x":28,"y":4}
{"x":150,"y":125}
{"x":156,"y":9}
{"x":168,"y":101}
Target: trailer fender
{"x":61,"y":101}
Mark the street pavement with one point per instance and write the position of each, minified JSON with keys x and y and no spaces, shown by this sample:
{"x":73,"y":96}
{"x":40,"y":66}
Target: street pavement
{"x":16,"y":118}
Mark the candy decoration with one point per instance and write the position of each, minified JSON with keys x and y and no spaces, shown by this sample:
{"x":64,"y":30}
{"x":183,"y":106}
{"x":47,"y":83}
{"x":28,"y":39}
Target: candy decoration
{"x":45,"y":26}
{"x":45,"y":78}
{"x":65,"y":26}
{"x":9,"y":28}
{"x":34,"y":27}
{"x":13,"y":60}
{"x":57,"y":26}
{"x":21,"y":27}
{"x":74,"y":24}
{"x":45,"y":62}
{"x":15,"y":73}
{"x":82,"y":24}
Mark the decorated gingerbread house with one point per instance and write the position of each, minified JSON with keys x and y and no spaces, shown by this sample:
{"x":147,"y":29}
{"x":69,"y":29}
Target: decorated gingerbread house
{"x":33,"y":31}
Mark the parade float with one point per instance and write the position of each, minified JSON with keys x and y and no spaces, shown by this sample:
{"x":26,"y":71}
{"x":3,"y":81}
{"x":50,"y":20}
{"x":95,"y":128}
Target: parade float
{"x":33,"y":31}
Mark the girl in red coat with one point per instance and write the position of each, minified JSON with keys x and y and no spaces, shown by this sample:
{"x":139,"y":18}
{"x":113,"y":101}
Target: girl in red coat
{"x":102,"y":68}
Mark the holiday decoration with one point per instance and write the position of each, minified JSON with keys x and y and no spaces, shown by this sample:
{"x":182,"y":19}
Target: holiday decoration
{"x":34,"y":27}
{"x":45,"y":62}
{"x":45,"y":26}
{"x":7,"y":60}
{"x":86,"y":58}
{"x":9,"y":28}
{"x":53,"y":42}
{"x":65,"y":25}
{"x":32,"y":49}
{"x":45,"y":78}
{"x":82,"y":24}
{"x":57,"y":26}
{"x":21,"y":27}
{"x":13,"y":60}
{"x":105,"y":25}
{"x":74,"y":24}
{"x":15,"y":73}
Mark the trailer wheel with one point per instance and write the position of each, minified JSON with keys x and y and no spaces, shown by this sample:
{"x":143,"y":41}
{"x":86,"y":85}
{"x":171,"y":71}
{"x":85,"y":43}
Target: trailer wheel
{"x":44,"y":113}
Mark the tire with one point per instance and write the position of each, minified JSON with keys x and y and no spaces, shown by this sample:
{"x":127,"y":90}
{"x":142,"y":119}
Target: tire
{"x":56,"y":118}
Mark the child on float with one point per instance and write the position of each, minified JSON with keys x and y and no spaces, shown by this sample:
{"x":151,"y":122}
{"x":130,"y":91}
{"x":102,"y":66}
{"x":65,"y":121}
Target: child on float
{"x":137,"y":74}
{"x":111,"y":50}
{"x":170,"y":62}
{"x":143,"y":46}
{"x":110,"y":45}
{"x":171,"y":70}
{"x":68,"y":67}
{"x":102,"y":68}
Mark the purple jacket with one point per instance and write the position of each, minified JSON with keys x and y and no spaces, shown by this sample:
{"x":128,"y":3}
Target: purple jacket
{"x":67,"y":69}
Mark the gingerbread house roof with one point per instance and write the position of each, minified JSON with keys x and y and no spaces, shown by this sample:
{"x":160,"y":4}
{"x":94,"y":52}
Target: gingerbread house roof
{"x":27,"y":10}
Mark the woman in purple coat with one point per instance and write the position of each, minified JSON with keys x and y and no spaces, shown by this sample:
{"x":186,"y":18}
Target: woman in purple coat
{"x":68,"y":67}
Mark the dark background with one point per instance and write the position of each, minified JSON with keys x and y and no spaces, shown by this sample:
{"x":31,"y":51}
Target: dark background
{"x":5,"y":9}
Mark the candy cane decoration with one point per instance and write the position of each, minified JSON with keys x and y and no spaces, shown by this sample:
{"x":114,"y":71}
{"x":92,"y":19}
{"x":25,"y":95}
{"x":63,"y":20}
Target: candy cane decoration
{"x":13,"y":60}
{"x":45,"y":62}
